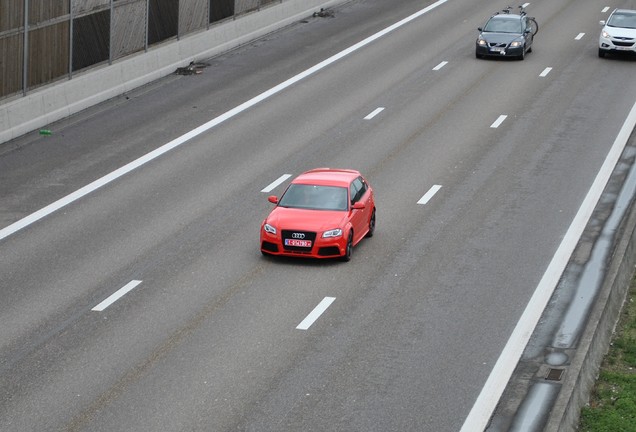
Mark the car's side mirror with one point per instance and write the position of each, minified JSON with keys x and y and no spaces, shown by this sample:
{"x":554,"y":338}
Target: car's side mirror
{"x":273,"y":199}
{"x":479,"y":28}
{"x":602,"y":22}
{"x":358,"y":206}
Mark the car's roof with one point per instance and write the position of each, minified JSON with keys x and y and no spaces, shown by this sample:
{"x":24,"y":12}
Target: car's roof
{"x":505,"y":16}
{"x":327,"y":177}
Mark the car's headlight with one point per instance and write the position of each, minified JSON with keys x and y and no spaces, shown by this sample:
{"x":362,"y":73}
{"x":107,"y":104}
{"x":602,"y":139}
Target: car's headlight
{"x":332,"y":233}
{"x":270,"y":229}
{"x":481,"y":42}
{"x":605,"y":34}
{"x":515,"y":44}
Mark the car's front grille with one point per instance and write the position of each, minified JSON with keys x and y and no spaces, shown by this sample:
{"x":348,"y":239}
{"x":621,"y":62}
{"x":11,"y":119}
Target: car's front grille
{"x":623,"y":43}
{"x":298,"y":235}
{"x":496,"y":44}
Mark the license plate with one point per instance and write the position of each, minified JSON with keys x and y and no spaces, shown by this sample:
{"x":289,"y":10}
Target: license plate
{"x":620,"y":48}
{"x":298,"y":243}
{"x":499,"y":50}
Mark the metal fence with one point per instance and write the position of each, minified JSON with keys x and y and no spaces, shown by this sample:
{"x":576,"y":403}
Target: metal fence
{"x":46,"y":40}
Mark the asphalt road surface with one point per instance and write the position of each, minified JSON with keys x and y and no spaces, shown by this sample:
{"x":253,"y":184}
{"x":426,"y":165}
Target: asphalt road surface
{"x":479,"y":167}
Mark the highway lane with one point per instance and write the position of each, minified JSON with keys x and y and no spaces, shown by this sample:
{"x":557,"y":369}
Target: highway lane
{"x":208,"y":340}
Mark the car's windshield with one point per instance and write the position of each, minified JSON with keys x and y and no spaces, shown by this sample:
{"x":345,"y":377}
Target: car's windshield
{"x":624,"y":20}
{"x":315,"y":197}
{"x":503,"y":25}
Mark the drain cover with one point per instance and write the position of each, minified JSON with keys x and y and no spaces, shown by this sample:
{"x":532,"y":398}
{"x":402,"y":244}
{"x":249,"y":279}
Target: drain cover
{"x":554,"y":374}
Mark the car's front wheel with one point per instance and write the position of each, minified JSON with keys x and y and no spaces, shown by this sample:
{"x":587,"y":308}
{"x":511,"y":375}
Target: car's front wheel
{"x":523,"y":54}
{"x":348,"y":248}
{"x":601,"y":53}
{"x":371,"y":225}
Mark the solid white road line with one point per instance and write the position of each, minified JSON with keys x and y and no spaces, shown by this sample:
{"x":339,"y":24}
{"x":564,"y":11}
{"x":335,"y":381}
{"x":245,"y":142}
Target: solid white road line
{"x":441,"y":65}
{"x":579,"y":36}
{"x":374,"y":113}
{"x":488,"y":399}
{"x":7,"y":231}
{"x":428,"y":195}
{"x":116,"y":295}
{"x":498,"y":122}
{"x":315,"y":314}
{"x":545,"y":72}
{"x":276,"y":183}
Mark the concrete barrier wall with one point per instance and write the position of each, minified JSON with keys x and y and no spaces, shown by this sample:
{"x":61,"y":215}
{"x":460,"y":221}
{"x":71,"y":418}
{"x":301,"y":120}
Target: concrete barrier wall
{"x":23,"y":114}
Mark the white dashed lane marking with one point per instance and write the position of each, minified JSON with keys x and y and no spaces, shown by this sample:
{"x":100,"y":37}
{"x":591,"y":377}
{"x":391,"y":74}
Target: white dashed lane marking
{"x":374,"y":113}
{"x":315,"y":314}
{"x":276,"y":183}
{"x":499,"y":121}
{"x":441,"y":65}
{"x":117,"y":295}
{"x":430,"y":194}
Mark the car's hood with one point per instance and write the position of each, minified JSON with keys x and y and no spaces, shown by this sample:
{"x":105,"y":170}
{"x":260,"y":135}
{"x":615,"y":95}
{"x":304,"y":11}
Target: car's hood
{"x":621,"y":32}
{"x":306,"y":220}
{"x":500,"y":37}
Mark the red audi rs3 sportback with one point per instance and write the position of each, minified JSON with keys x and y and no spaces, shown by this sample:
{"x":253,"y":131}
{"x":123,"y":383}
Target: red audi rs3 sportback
{"x":323,"y":213}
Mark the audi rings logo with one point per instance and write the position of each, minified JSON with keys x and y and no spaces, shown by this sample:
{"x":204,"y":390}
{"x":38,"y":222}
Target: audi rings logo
{"x":298,"y":235}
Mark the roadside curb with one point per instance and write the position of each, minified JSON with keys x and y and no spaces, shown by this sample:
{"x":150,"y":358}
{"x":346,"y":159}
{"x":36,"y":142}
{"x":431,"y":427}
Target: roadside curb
{"x":595,"y":339}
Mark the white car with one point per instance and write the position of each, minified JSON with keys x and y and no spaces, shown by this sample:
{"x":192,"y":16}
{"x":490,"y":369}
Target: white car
{"x":619,"y":33}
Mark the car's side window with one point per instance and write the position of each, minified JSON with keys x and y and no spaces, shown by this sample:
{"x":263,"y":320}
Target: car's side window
{"x":364,"y":185}
{"x":353,"y":192}
{"x":358,"y":189}
{"x":363,"y":188}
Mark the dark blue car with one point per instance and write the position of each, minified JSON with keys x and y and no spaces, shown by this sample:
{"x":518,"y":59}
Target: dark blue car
{"x":506,"y":35}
